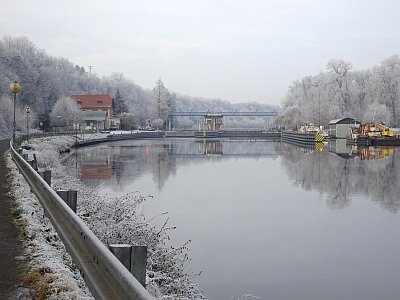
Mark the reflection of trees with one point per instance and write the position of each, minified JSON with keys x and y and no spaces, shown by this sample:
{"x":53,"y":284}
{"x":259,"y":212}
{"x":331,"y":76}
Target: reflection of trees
{"x":339,"y":178}
{"x":385,"y":187}
{"x":162,"y":164}
{"x":129,"y":160}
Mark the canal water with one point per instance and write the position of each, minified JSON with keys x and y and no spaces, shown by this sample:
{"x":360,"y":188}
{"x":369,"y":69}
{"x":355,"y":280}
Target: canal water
{"x":267,"y":219}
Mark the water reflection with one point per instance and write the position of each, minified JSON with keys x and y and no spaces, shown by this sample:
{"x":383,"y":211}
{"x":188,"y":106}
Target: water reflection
{"x":345,"y":170}
{"x":121,"y":163}
{"x":337,"y":171}
{"x":254,"y":225}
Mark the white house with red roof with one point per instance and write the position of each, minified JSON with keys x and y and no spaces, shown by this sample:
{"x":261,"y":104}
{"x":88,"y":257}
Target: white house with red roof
{"x":97,"y":111}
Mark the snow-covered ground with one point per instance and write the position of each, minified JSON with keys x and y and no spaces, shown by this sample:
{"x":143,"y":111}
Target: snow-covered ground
{"x":113,"y":219}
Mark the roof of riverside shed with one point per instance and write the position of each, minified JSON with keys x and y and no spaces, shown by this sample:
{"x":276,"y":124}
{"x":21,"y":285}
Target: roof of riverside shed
{"x":344,"y":121}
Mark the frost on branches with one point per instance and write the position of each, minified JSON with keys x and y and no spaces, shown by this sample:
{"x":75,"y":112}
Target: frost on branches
{"x":120,"y":219}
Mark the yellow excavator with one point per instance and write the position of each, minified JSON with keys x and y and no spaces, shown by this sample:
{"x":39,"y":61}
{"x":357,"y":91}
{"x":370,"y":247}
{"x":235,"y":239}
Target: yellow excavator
{"x":386,"y":131}
{"x":376,"y":129}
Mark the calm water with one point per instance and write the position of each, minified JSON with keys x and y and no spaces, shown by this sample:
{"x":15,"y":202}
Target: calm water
{"x":266,"y":218}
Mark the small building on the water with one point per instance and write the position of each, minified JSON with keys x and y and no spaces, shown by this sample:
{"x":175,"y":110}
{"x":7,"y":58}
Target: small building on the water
{"x":339,"y":128}
{"x":212,"y":122}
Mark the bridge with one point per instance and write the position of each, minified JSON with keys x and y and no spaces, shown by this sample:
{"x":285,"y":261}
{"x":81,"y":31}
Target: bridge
{"x":272,"y":113}
{"x":173,"y":114}
{"x":222,"y":155}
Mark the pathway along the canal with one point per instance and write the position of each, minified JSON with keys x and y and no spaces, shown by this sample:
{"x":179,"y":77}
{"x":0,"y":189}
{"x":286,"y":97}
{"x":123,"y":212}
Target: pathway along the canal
{"x":10,"y":245}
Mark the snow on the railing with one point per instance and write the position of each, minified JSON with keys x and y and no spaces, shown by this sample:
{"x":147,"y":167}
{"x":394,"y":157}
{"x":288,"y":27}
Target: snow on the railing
{"x":112,"y":219}
{"x":46,"y":253}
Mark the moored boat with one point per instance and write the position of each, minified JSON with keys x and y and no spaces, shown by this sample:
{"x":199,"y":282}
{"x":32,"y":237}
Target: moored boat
{"x":307,"y":134}
{"x":385,"y":141}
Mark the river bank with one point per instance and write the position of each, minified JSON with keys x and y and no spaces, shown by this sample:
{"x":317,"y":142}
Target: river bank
{"x":112,"y":219}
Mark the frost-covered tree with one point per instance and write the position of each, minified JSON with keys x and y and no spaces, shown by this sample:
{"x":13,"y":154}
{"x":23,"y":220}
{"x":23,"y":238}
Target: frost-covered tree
{"x":341,"y":92}
{"x":7,"y":117}
{"x":136,"y":99}
{"x":44,"y":79}
{"x":185,"y":123}
{"x":128,"y":121}
{"x":339,"y":70}
{"x":6,"y":113}
{"x":158,"y":123}
{"x":160,"y":101}
{"x":65,"y":112}
{"x":361,"y":88}
{"x":376,"y":112}
{"x":385,"y":87}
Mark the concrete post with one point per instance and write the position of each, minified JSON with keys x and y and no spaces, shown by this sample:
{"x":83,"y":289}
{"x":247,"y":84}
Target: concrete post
{"x":123,"y":253}
{"x":138,"y":263}
{"x":70,"y":197}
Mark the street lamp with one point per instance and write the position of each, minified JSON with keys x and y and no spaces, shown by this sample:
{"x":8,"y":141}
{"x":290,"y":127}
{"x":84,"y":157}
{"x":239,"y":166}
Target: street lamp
{"x":14,"y":88}
{"x":28,"y":110}
{"x":58,"y":123}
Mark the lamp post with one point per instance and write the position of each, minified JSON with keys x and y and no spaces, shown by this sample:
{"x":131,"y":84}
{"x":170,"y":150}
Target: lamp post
{"x":58,"y":123}
{"x":14,"y":88}
{"x":28,"y":110}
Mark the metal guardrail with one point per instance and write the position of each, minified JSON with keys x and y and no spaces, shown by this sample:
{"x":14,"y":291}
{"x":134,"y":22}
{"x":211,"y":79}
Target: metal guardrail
{"x":103,"y":273}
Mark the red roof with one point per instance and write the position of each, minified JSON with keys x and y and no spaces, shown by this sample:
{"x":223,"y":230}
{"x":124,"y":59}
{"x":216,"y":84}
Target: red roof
{"x":93,"y":101}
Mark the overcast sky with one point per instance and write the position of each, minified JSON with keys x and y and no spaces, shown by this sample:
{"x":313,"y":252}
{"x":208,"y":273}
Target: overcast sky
{"x":239,"y":51}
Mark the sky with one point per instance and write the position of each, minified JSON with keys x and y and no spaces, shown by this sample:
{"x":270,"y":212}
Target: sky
{"x":239,"y":51}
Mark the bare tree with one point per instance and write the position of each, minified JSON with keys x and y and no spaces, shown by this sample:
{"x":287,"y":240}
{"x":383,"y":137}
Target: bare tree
{"x":386,"y":86}
{"x":339,"y":69}
{"x":160,"y":101}
{"x":377,"y":112}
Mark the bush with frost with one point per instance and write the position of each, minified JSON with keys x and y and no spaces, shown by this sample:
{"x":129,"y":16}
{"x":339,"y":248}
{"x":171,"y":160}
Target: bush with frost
{"x":119,"y":219}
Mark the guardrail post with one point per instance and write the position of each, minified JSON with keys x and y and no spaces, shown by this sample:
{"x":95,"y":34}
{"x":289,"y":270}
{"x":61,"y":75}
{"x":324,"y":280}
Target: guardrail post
{"x":138,"y":263}
{"x":70,"y":197}
{"x":33,"y":164}
{"x":46,"y":175}
{"x":25,"y":156}
{"x":106,"y":278}
{"x":123,"y":253}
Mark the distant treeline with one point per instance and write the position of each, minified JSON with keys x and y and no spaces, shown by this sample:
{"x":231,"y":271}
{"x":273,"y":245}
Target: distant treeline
{"x":340,"y":91}
{"x":45,"y":79}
